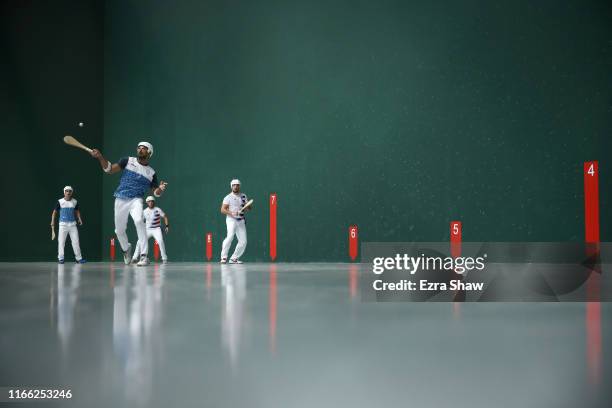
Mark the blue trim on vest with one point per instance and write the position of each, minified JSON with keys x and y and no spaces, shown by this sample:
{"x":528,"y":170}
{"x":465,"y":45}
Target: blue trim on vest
{"x":67,"y":214}
{"x":132,"y":185}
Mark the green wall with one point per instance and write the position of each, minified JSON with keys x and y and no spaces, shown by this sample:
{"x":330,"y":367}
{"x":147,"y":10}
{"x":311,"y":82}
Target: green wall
{"x":395,"y":115}
{"x":51,"y":74}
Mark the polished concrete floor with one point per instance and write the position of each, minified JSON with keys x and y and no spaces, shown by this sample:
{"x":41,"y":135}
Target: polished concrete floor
{"x":286,"y":335}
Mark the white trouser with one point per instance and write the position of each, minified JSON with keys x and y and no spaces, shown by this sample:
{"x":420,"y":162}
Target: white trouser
{"x":123,"y":209}
{"x":238,"y":228}
{"x":65,"y":230}
{"x":157,"y":234}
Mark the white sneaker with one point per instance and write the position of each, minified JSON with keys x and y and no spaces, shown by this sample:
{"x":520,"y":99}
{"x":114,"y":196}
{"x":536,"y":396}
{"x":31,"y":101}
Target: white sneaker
{"x":126,"y":255}
{"x":235,"y":261}
{"x":144,"y":261}
{"x":164,"y":261}
{"x":223,"y":260}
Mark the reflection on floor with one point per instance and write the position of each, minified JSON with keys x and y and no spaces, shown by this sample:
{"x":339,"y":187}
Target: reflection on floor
{"x":285,"y":335}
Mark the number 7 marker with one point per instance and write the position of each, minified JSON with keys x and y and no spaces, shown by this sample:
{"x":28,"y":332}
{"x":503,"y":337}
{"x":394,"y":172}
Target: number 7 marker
{"x":273,"y":205}
{"x":209,"y":246}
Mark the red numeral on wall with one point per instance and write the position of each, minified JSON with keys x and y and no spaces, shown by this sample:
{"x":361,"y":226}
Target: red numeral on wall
{"x":591,"y":202}
{"x":209,"y":246}
{"x":273,"y":205}
{"x":112,"y":249}
{"x":353,"y":241}
{"x":455,"y":238}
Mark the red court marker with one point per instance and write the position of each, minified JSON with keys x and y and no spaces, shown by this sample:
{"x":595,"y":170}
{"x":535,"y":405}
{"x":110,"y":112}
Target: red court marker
{"x":455,"y":249}
{"x":353,"y":241}
{"x":112,"y":249}
{"x":273,"y":204}
{"x":155,"y":250}
{"x":591,"y":202}
{"x":209,"y":246}
{"x":591,"y":236}
{"x":455,"y":238}
{"x":591,"y":223}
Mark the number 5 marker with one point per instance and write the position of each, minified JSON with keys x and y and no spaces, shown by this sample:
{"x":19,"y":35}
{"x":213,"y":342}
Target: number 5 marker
{"x":455,"y":238}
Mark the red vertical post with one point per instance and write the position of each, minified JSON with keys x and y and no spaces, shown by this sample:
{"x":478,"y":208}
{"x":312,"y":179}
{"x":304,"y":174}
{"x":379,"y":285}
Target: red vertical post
{"x":112,"y":249}
{"x":591,"y":225}
{"x":155,"y":250}
{"x":209,"y":246}
{"x":591,"y":202}
{"x":353,"y":238}
{"x":591,"y":238}
{"x":455,"y":249}
{"x":273,"y":205}
{"x":455,"y":238}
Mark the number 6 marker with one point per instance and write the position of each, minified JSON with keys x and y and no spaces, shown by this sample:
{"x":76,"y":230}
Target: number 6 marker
{"x":353,"y":241}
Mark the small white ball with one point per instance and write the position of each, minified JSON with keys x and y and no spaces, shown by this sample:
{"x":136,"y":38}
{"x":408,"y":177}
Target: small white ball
{"x":80,"y":124}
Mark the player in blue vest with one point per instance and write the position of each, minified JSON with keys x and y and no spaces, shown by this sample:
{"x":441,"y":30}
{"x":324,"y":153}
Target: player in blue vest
{"x":69,"y":215}
{"x":137,"y":179}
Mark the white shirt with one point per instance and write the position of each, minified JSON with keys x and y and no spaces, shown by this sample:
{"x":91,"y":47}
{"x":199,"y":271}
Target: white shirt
{"x":235,"y":202}
{"x":153,"y":216}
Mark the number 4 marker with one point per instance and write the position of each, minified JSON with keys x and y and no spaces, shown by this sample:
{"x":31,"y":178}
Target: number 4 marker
{"x":591,"y":202}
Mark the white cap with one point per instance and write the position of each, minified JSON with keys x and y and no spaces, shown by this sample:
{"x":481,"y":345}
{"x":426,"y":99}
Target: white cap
{"x":68,"y":188}
{"x":148,"y":146}
{"x":149,"y":198}
{"x":234,"y":181}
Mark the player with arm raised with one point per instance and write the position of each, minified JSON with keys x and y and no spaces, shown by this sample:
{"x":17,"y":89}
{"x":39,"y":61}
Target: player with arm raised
{"x":137,"y":179}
